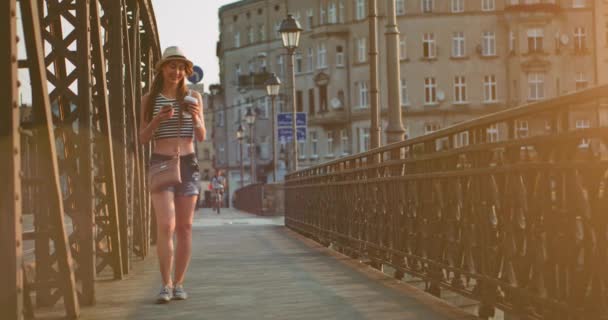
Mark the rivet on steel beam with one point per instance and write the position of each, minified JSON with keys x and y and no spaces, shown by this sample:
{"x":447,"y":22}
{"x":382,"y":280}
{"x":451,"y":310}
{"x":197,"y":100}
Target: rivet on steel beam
{"x":15,"y":105}
{"x":13,"y":13}
{"x":16,"y":151}
{"x":18,"y":244}
{"x":13,"y":58}
{"x":17,"y":38}
{"x":16,"y":197}
{"x":18,"y":83}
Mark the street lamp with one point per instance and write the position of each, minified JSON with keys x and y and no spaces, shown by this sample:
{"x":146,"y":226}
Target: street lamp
{"x":240,"y":136}
{"x":250,"y":119}
{"x":290,"y":33}
{"x":273,"y":84}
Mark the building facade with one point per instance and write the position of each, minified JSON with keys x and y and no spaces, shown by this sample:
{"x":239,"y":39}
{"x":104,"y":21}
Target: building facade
{"x":204,"y":149}
{"x":459,"y":59}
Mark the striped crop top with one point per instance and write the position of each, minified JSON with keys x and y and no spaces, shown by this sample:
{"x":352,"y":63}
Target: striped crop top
{"x":169,"y":128}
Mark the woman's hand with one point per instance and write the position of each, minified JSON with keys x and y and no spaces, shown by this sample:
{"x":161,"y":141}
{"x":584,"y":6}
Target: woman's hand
{"x":166,"y":112}
{"x":193,"y":109}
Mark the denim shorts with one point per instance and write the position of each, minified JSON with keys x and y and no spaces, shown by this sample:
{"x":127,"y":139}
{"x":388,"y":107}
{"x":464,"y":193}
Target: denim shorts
{"x":188,"y":167}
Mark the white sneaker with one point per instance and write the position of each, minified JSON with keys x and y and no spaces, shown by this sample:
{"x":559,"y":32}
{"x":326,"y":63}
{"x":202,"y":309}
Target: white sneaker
{"x":164,"y":295}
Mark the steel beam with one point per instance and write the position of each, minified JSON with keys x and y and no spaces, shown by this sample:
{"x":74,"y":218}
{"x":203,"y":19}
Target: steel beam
{"x":45,"y":140}
{"x":11,"y":250}
{"x":107,"y":214}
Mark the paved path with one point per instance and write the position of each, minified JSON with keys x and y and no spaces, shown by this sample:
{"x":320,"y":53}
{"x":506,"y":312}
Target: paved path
{"x":248,"y":267}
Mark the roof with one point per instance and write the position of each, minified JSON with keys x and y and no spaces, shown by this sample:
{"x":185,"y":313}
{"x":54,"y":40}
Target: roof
{"x":237,"y":4}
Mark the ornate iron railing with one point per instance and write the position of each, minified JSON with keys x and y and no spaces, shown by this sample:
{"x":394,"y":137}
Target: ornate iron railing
{"x":510,"y":209}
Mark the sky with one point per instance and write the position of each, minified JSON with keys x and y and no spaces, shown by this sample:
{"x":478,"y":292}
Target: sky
{"x":193,"y":26}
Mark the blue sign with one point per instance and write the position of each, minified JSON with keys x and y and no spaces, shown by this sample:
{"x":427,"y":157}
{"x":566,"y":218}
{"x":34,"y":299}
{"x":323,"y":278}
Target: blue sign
{"x":197,"y":75}
{"x":284,"y":119}
{"x":286,"y":134}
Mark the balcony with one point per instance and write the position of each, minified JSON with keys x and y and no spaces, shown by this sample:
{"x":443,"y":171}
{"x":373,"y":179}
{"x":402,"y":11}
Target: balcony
{"x":253,"y":80}
{"x":333,"y":29}
{"x":329,"y":117}
{"x":534,"y":7}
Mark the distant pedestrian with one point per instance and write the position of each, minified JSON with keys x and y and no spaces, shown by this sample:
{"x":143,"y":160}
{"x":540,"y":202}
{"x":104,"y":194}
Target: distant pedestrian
{"x":169,"y":100}
{"x":218,"y":184}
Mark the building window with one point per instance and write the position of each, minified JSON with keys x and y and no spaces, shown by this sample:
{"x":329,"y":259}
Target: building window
{"x":511,"y":41}
{"x":360,"y":9}
{"x":250,"y":35}
{"x":430,"y":91}
{"x":220,"y":119}
{"x":302,"y":149}
{"x":237,"y":39}
{"x":344,"y":141}
{"x":535,"y":40}
{"x":400,"y":7}
{"x":281,"y":66}
{"x":309,"y":19}
{"x":331,"y":13}
{"x":321,"y":14}
{"x":489,"y":89}
{"x":309,"y":58}
{"x":458,"y":44}
{"x":579,"y":39}
{"x":323,"y":98}
{"x":263,"y":106}
{"x":330,"y":143}
{"x":363,"y":94}
{"x":488,"y":5}
{"x":428,"y":45}
{"x":237,"y":72}
{"x":578,"y":3}
{"x":583,"y":124}
{"x":262,"y":32}
{"x":298,"y":59}
{"x":277,"y":26}
{"x":321,"y":56}
{"x":457,"y":6}
{"x":427,"y":6}
{"x":488,"y":44}
{"x":521,"y":128}
{"x":402,"y":47}
{"x":361,"y":50}
{"x":339,"y":56}
{"x":580,"y":81}
{"x":431,"y":127}
{"x":536,"y":86}
{"x":341,"y":12}
{"x":492,"y":133}
{"x":460,"y":89}
{"x":314,"y":144}
{"x":461,"y":139}
{"x":405,"y":99}
{"x":311,"y":102}
{"x":363,"y":139}
{"x":299,"y":101}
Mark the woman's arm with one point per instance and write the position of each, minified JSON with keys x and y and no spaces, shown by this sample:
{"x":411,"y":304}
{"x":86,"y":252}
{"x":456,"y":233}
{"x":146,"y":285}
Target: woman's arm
{"x":199,"y":120}
{"x":146,"y":129}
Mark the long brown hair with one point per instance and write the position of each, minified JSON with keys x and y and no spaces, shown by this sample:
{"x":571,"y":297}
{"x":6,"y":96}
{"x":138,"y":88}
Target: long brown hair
{"x":157,"y":87}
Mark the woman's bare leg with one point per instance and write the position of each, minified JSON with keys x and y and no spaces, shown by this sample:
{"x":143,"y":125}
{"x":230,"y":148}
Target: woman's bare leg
{"x":165,"y":227}
{"x":184,"y":213}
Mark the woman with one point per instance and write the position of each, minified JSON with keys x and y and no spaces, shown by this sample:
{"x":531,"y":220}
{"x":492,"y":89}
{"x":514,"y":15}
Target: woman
{"x":174,"y":205}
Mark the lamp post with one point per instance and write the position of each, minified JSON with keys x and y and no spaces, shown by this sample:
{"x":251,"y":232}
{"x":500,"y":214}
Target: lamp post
{"x":290,"y":33}
{"x":250,"y":119}
{"x":214,"y":90}
{"x":273,"y":84}
{"x":240,"y":136}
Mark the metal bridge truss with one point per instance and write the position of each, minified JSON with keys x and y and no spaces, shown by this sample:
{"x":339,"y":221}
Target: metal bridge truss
{"x":73,"y":166}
